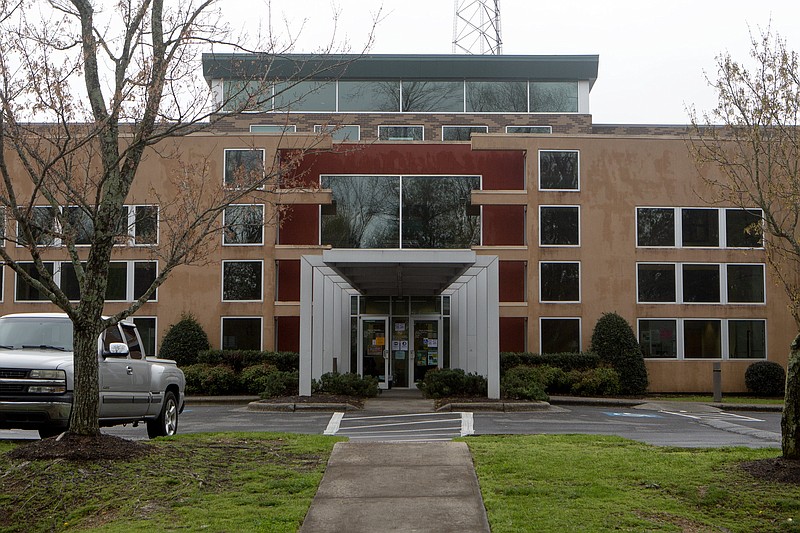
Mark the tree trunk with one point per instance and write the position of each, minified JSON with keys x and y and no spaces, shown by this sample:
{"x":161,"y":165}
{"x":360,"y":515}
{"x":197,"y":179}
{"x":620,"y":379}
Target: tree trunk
{"x":86,"y":402}
{"x":790,"y":421}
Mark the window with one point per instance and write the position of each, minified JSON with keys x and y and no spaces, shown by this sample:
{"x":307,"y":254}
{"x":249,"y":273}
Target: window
{"x":743,"y":228}
{"x":433,"y":96}
{"x":559,"y":170}
{"x":268,"y":128}
{"x":369,"y":96}
{"x":554,"y":96}
{"x":702,"y":339}
{"x":144,"y":274}
{"x":658,"y":338}
{"x":241,"y":95}
{"x":305,"y":96}
{"x":560,"y":335}
{"x":145,"y":224}
{"x":559,"y":226}
{"x":126,"y":281}
{"x":655,"y":282}
{"x":655,"y":226}
{"x":529,"y":129}
{"x":42,"y":225}
{"x":241,"y":333}
{"x":401,"y":133}
{"x":700,"y":227}
{"x":243,"y":166}
{"x":147,"y":331}
{"x":242,"y":280}
{"x":134,"y":348}
{"x":243,"y":224}
{"x":701,"y":283}
{"x":497,"y":96}
{"x":78,"y":226}
{"x":27,"y":292}
{"x":461,"y":133}
{"x":340,"y":133}
{"x":746,"y":284}
{"x":747,"y":339}
{"x":436,"y":212}
{"x":559,"y":282}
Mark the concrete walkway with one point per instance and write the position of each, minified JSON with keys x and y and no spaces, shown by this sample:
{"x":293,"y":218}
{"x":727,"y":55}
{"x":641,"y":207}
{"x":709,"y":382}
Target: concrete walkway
{"x":382,"y":486}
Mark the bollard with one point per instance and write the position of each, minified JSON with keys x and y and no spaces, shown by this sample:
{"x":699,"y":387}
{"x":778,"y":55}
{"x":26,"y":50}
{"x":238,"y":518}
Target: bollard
{"x":717,"y":380}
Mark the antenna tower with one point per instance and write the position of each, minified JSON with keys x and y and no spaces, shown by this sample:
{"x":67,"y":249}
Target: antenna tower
{"x":476,"y":27}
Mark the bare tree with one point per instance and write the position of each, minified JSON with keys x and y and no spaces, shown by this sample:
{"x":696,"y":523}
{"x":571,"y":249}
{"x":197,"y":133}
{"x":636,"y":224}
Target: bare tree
{"x":86,"y":95}
{"x":751,"y":159}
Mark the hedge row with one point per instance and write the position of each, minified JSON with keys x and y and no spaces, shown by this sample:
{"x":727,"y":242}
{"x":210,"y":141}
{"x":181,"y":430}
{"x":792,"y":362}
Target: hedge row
{"x":537,"y":382}
{"x":238,"y":360}
{"x":564,"y":361}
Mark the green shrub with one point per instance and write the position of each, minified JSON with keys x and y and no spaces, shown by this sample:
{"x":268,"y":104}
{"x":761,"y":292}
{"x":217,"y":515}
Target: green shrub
{"x":347,"y":385}
{"x":241,"y":359}
{"x":564,"y":361}
{"x":524,"y":383}
{"x":280,"y":383}
{"x":211,"y":380}
{"x":253,"y":378}
{"x":614,"y":342}
{"x":452,"y":382}
{"x":595,"y":382}
{"x":184,"y":340}
{"x":765,"y":378}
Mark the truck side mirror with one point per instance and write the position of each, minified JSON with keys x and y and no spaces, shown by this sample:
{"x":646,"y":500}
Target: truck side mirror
{"x":117,"y":349}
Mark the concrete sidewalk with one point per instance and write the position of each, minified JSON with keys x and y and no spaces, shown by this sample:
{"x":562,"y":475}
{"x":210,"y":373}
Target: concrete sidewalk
{"x":381,"y":486}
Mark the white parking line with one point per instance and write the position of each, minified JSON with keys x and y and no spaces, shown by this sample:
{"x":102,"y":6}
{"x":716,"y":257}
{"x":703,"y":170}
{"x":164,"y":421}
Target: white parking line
{"x":722,"y":415}
{"x":467,"y":424}
{"x":333,"y":424}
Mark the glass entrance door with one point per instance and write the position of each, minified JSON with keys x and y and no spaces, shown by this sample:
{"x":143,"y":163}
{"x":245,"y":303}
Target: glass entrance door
{"x":374,"y":350}
{"x":427,"y":350}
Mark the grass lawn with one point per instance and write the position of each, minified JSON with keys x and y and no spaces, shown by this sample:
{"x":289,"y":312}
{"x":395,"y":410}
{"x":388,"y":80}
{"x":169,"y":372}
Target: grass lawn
{"x":220,"y":482}
{"x":592,"y":483}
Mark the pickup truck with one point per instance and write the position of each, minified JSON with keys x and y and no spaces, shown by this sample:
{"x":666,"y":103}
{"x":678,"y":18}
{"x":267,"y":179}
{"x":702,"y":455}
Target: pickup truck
{"x":37,"y":377}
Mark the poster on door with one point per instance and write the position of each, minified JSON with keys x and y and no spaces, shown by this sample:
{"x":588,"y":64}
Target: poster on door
{"x":421,"y":357}
{"x":433,"y":359}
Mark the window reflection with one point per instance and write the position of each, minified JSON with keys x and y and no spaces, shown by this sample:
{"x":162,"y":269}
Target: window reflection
{"x":305,"y":96}
{"x":433,"y":96}
{"x":365,"y":212}
{"x":558,"y":170}
{"x":436,"y":214}
{"x":554,"y":97}
{"x":497,"y":96}
{"x":655,"y":226}
{"x":369,"y":96}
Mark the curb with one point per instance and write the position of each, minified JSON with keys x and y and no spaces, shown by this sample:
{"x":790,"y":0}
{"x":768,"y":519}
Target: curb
{"x":292,"y":407}
{"x":495,"y":406}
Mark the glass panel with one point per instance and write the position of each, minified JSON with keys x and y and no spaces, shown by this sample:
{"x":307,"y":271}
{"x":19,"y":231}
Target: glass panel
{"x":497,"y":96}
{"x":529,"y":129}
{"x":747,"y":339}
{"x":554,"y":97}
{"x":701,"y":284}
{"x":369,"y":96}
{"x":354,"y":305}
{"x":401,"y":133}
{"x":354,"y":345}
{"x":446,"y":305}
{"x":117,"y":288}
{"x":78,"y":225}
{"x":305,"y":96}
{"x":241,"y":333}
{"x":144,"y":274}
{"x":461,"y":133}
{"x":700,"y":227}
{"x":433,"y":96}
{"x":241,"y":280}
{"x":373,"y":346}
{"x":146,"y":229}
{"x":702,"y":339}
{"x":241,"y":95}
{"x":446,"y":342}
{"x":426,"y":347}
{"x":134,"y":348}
{"x":365,"y":214}
{"x":340,"y":133}
{"x":147,"y":331}
{"x":374,"y":305}
{"x":655,"y":227}
{"x":560,"y":282}
{"x":243,"y":166}
{"x":400,"y":306}
{"x":743,"y":228}
{"x":26,"y":292}
{"x":42,"y":222}
{"x":69,"y":281}
{"x":561,"y":335}
{"x":746,"y":283}
{"x":656,"y":283}
{"x":421,"y":305}
{"x":658,"y":338}
{"x":268,"y":128}
{"x":400,"y":352}
{"x":558,"y":226}
{"x":244,"y":224}
{"x":436,"y":212}
{"x":558,"y":170}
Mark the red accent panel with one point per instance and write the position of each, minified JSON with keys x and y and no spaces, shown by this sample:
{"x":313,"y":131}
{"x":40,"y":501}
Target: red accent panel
{"x":512,"y":334}
{"x":288,"y":281}
{"x":501,"y":169}
{"x":299,"y":225}
{"x":287,"y":333}
{"x":503,"y":225}
{"x":512,"y":281}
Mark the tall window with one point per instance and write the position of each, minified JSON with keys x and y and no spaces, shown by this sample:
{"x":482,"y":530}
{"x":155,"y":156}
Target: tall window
{"x":559,"y":225}
{"x":243,"y":224}
{"x":559,"y":170}
{"x":147,"y":331}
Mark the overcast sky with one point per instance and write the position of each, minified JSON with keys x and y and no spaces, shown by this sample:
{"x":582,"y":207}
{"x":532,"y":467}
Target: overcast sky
{"x":653,"y":55}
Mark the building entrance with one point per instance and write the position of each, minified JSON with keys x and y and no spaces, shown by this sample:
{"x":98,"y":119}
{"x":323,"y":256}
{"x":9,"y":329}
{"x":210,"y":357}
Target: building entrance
{"x":426,"y":350}
{"x":374,"y":350}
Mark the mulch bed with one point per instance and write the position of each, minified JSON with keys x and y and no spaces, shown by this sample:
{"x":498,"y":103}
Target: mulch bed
{"x":81,"y":448}
{"x":778,"y":469}
{"x":318,"y":398}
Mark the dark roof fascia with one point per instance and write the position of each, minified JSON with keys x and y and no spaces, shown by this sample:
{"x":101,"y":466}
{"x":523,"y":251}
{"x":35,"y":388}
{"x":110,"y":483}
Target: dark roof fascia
{"x":397,"y":66}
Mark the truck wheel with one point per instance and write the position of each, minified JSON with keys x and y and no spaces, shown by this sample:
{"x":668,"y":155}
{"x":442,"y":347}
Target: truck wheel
{"x":166,"y":424}
{"x":47,"y":432}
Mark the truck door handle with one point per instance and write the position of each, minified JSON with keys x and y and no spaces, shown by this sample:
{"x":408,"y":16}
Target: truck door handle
{"x":130,"y":370}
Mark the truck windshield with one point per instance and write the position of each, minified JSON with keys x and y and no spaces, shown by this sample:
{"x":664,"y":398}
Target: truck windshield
{"x":45,"y":333}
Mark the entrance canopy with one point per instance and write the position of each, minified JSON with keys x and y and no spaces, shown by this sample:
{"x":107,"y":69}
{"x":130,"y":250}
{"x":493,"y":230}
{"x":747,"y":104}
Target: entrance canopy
{"x":399,"y":272}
